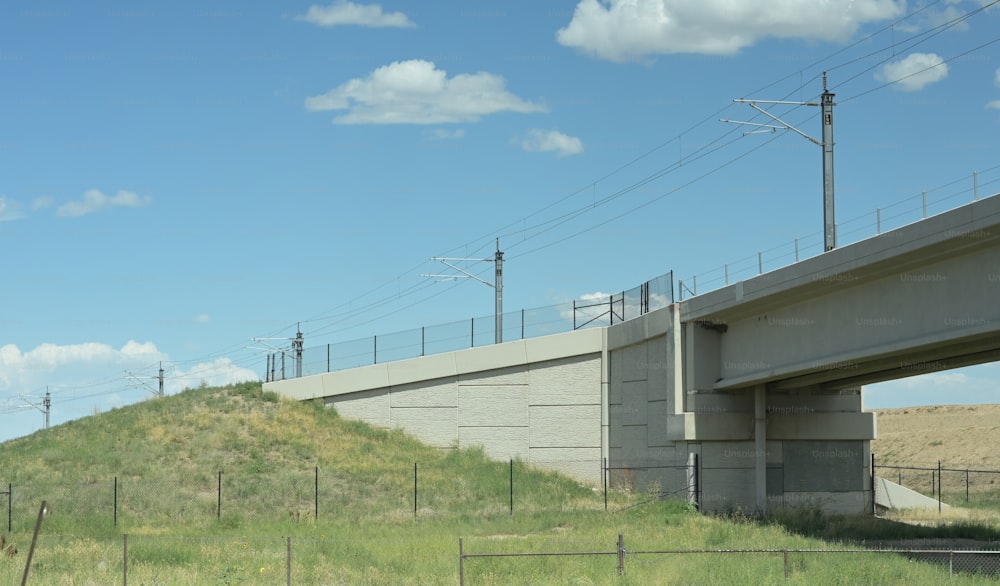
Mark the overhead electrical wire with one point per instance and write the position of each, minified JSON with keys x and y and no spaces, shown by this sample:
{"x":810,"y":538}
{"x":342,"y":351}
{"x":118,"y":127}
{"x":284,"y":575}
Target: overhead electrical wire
{"x":336,"y":316}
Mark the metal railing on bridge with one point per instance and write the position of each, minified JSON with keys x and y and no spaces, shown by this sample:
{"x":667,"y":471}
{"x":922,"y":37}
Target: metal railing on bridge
{"x":591,"y":311}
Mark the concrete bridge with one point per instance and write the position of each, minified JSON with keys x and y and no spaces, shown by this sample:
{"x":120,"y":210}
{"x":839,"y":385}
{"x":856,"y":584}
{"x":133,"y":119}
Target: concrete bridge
{"x":747,"y":397}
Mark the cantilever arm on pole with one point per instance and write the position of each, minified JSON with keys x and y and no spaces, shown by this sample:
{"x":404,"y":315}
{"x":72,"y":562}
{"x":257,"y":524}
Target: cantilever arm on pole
{"x":464,"y":272}
{"x":784,"y":125}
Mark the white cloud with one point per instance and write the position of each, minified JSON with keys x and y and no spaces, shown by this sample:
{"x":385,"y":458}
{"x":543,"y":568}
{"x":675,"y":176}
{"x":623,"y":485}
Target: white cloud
{"x":416,"y":92}
{"x":914,"y":72}
{"x":94,"y":200}
{"x":91,"y":376}
{"x":9,"y":209}
{"x":996,"y":78}
{"x":994,"y":105}
{"x":40,"y":203}
{"x":442,"y":134}
{"x":201,"y":318}
{"x":349,"y":13}
{"x":50,"y":362}
{"x":551,"y":141}
{"x":631,"y":30}
{"x":219,"y":372}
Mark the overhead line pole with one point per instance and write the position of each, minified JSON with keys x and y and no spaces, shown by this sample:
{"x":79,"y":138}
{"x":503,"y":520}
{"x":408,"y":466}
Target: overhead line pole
{"x":827,"y":104}
{"x":497,"y":284}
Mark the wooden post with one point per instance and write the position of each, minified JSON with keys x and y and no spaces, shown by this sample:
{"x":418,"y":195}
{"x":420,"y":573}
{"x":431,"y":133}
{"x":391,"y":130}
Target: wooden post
{"x":34,"y":540}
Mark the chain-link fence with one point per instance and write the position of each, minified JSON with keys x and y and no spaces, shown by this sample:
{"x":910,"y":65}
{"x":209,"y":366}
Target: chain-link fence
{"x":948,"y":484}
{"x":199,"y":559}
{"x":233,"y":498}
{"x":482,"y":558}
{"x":480,"y":331}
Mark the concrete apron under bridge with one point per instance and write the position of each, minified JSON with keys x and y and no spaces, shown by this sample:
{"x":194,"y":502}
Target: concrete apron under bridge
{"x":757,"y":382}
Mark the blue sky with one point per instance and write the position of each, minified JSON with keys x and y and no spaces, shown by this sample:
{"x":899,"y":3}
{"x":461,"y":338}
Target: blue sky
{"x":180,"y":178}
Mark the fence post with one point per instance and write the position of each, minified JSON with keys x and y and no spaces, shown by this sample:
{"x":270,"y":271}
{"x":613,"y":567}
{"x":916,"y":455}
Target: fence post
{"x":414,"y":489}
{"x":461,"y":564}
{"x":328,"y":358}
{"x":125,"y":559}
{"x":691,"y":474}
{"x":966,"y":485}
{"x":939,"y":487}
{"x":512,"y":486}
{"x":316,"y":496}
{"x":34,"y":541}
{"x":874,"y":488}
{"x":604,"y":475}
{"x":621,"y":555}
{"x":116,"y":501}
{"x":10,"y":509}
{"x":786,"y":565}
{"x":218,"y":509}
{"x":288,"y":565}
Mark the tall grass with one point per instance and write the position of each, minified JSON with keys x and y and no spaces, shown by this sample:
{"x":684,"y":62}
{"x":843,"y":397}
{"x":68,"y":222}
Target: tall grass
{"x":167,"y":454}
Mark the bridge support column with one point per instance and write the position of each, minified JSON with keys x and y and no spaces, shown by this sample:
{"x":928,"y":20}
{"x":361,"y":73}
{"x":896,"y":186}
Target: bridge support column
{"x":760,"y":448}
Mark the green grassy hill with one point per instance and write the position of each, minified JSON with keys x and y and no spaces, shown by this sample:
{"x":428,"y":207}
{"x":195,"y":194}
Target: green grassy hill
{"x":147,"y":477}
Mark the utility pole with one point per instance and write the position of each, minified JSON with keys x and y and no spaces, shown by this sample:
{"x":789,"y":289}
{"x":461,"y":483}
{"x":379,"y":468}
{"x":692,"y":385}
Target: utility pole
{"x":497,"y":284}
{"x":138,"y":381}
{"x":45,"y":407}
{"x":298,"y":345}
{"x":826,"y":103}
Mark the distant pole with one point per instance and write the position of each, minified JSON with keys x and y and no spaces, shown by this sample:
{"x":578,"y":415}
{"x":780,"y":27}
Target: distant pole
{"x":297,"y":344}
{"x":47,"y":403}
{"x":829,"y":223}
{"x":498,"y":266}
{"x":826,"y":143}
{"x":161,"y":379}
{"x":497,"y":284}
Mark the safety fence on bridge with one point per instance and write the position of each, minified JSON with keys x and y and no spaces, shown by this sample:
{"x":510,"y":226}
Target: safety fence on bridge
{"x":653,"y":294}
{"x":573,"y":315}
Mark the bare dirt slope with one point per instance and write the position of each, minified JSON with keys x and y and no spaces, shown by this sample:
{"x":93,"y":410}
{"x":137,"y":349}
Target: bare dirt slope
{"x":960,"y":436}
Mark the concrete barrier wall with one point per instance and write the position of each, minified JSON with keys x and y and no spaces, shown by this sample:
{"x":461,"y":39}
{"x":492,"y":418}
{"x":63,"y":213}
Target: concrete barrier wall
{"x":539,"y":400}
